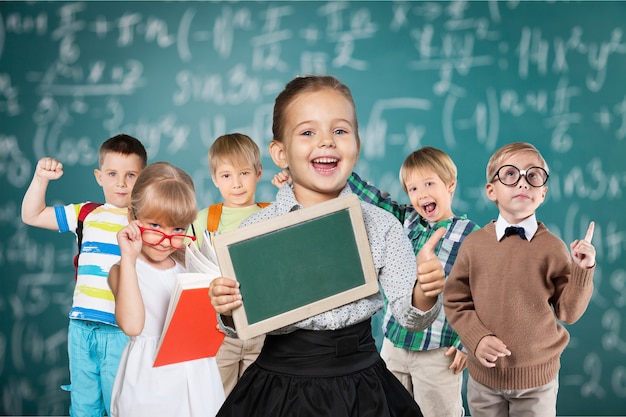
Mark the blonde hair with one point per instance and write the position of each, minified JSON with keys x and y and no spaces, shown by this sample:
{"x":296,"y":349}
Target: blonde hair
{"x":236,"y":148}
{"x":429,"y":158}
{"x":165,"y":193}
{"x":495,"y":162}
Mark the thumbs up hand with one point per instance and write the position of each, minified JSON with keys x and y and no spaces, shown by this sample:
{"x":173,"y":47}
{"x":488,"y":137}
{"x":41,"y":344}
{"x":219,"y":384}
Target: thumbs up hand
{"x":430,"y":274}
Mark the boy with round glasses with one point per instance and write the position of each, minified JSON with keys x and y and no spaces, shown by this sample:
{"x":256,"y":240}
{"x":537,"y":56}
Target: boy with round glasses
{"x":511,"y":282}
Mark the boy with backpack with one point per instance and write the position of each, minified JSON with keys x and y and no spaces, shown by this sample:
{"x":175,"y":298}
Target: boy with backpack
{"x":235,"y":164}
{"x":95,"y":343}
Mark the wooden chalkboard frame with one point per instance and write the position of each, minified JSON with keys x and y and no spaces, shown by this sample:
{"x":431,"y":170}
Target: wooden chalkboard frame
{"x":248,"y":327}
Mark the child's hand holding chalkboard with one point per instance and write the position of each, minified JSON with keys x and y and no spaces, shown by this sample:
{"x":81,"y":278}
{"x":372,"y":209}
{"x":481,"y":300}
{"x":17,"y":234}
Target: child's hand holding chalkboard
{"x":225,"y":295}
{"x":430,"y":274}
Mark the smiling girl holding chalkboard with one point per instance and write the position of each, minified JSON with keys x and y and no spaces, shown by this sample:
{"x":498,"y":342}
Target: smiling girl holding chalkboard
{"x":328,"y":364}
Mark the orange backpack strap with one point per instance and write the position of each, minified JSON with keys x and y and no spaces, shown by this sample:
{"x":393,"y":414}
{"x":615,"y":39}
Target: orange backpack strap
{"x":213,"y":217}
{"x":215,"y":212}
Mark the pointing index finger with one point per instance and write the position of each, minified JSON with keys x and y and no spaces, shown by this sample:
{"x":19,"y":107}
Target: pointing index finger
{"x":589,"y":234}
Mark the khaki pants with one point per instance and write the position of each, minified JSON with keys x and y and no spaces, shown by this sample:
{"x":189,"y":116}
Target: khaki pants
{"x":484,"y":401}
{"x":234,"y":356}
{"x":425,"y":374}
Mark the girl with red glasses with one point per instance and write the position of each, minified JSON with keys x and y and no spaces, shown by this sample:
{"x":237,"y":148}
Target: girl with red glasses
{"x":163,"y":204}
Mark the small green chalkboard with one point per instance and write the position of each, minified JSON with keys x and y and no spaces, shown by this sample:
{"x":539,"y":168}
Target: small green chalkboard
{"x":298,"y":265}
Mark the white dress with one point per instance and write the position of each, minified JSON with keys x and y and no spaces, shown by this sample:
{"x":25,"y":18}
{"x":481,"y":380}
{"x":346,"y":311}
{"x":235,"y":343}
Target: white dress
{"x":185,"y":389}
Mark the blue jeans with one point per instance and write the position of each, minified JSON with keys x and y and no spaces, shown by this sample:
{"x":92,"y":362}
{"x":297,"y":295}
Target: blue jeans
{"x":94,"y":352}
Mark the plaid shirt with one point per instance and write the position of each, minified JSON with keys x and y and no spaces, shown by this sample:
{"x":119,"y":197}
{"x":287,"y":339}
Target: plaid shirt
{"x":439,"y":334}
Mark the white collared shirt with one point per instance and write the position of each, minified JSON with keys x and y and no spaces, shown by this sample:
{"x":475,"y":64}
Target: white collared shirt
{"x":529,"y":224}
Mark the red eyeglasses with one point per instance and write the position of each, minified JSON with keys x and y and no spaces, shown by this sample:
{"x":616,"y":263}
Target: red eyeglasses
{"x":154,"y":237}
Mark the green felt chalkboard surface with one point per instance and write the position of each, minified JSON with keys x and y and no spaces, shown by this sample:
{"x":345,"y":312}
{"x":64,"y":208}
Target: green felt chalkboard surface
{"x":463,"y":76}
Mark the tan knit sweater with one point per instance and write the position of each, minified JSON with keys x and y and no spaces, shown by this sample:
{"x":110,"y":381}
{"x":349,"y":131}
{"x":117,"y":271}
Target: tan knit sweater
{"x":516,"y":290}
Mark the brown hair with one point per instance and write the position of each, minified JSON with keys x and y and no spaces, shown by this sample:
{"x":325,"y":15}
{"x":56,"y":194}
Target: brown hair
{"x":235,"y":148}
{"x":495,"y":162}
{"x":125,"y":145}
{"x":430,"y":158}
{"x":305,"y":84}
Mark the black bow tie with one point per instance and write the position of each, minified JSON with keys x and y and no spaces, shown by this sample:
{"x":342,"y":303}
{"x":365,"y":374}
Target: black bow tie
{"x":512,"y":230}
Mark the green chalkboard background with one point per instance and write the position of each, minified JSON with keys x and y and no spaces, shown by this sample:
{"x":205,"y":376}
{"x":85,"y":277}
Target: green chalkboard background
{"x":466,"y":77}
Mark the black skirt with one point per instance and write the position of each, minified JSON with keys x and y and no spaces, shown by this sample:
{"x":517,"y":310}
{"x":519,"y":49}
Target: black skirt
{"x":320,"y":373}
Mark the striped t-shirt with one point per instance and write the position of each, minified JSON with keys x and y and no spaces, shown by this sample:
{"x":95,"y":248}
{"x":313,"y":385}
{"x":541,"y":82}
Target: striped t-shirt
{"x":93,"y":299}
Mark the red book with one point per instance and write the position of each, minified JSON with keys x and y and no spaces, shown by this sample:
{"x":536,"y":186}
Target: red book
{"x":190,"y":331}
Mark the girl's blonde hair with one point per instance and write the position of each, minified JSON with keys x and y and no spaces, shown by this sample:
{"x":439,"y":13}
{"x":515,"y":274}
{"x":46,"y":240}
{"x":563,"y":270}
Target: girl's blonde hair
{"x":496,"y":160}
{"x":429,"y":158}
{"x":235,"y":148}
{"x":165,"y":193}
